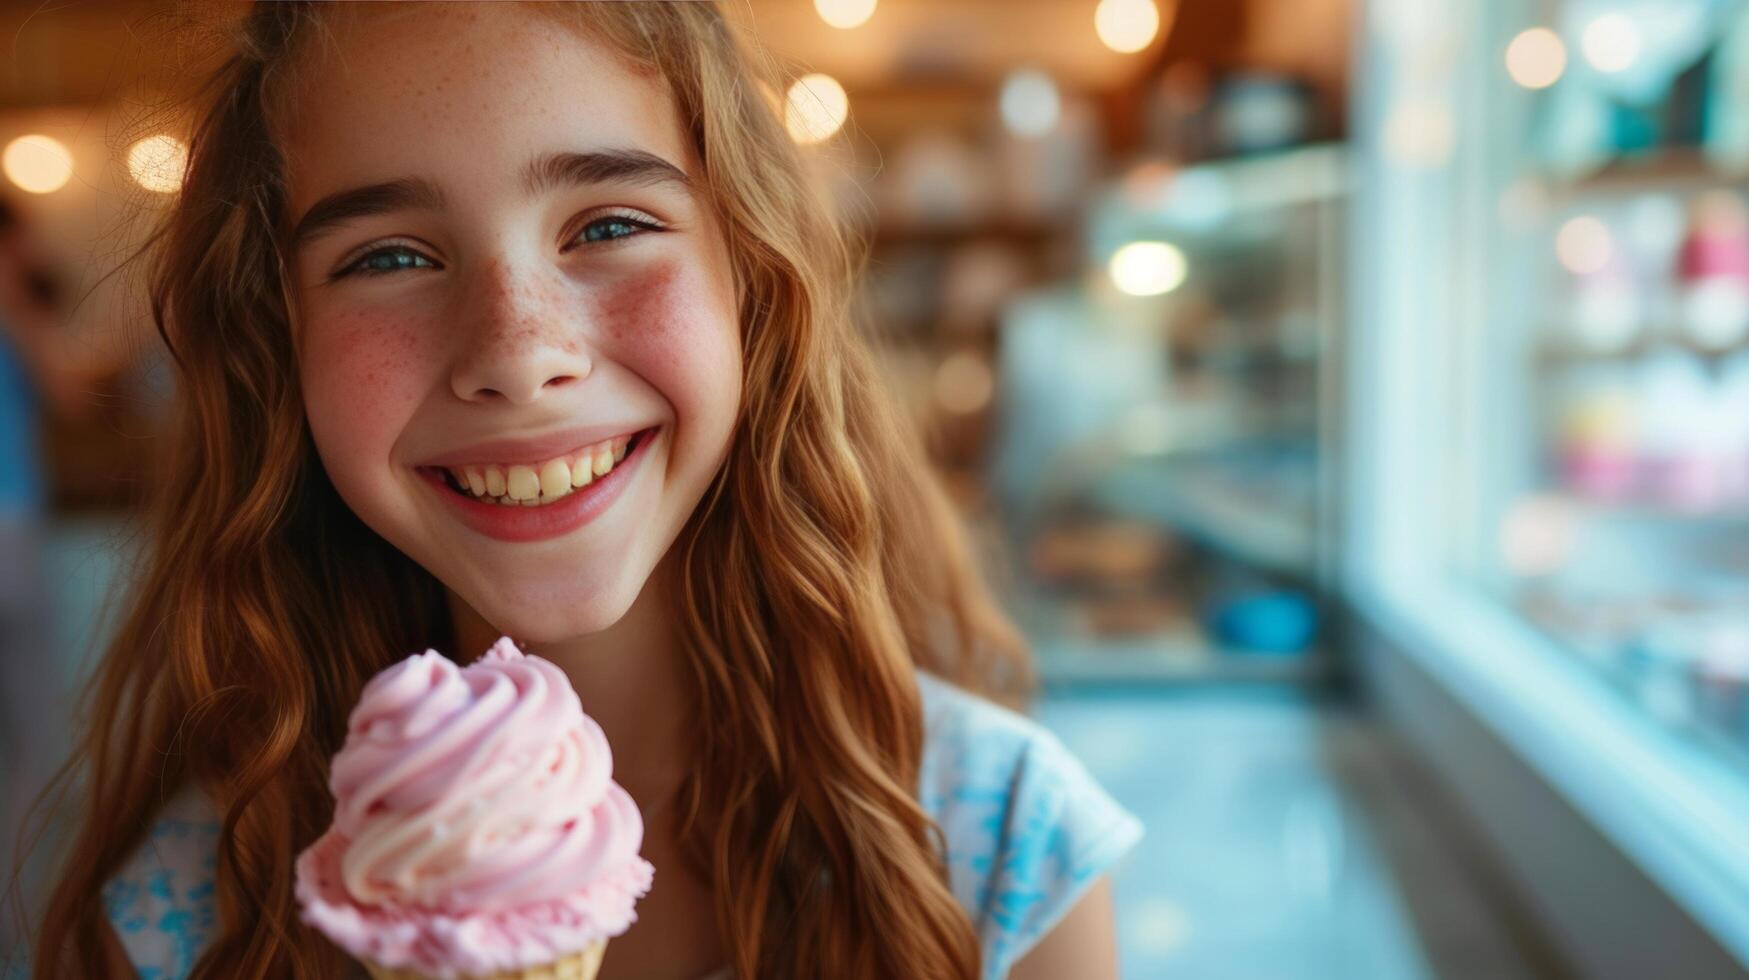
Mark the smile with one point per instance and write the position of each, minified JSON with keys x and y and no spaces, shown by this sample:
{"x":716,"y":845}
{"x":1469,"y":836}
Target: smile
{"x":525,"y":502}
{"x":541,"y":483}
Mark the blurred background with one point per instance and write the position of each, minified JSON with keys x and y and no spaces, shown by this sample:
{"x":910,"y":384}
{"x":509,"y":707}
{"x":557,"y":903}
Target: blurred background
{"x":1350,"y":397}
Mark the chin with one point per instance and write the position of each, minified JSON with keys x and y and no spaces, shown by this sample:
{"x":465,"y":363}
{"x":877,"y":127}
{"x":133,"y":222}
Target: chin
{"x":554,"y":616}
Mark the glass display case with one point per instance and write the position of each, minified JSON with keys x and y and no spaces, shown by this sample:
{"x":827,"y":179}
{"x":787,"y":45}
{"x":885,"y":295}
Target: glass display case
{"x":1550,"y":424}
{"x":1620,"y":512}
{"x":1163,"y":459}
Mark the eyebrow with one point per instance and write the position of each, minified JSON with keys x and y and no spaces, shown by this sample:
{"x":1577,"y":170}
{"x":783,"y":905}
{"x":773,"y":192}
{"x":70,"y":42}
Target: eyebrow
{"x":544,"y":173}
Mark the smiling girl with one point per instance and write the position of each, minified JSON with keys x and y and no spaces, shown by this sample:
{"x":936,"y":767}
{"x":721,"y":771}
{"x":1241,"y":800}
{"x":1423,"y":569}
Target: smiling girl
{"x":526,"y":320}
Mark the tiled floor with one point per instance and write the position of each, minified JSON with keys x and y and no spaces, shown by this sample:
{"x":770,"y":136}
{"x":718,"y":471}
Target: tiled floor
{"x":1286,"y":840}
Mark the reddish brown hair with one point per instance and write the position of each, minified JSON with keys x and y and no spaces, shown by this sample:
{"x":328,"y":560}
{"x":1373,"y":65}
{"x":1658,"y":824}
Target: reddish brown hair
{"x":822,"y":567}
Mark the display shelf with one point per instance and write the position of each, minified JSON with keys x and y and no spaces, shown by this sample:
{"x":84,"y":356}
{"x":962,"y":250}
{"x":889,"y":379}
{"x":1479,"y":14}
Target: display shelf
{"x":1024,"y":233}
{"x":1643,"y":694}
{"x":1671,"y":169}
{"x":1268,"y":185}
{"x":1637,"y":512}
{"x":1165,"y":457}
{"x":1555,"y":352}
{"x":1268,"y":522}
{"x":1170,"y":659}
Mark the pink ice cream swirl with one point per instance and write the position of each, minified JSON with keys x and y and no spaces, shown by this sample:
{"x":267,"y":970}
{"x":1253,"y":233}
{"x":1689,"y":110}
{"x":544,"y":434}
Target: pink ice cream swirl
{"x":476,"y":825}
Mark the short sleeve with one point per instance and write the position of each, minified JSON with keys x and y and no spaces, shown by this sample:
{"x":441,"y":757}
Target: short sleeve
{"x":1027,"y":829}
{"x":1063,"y":831}
{"x":161,"y":902}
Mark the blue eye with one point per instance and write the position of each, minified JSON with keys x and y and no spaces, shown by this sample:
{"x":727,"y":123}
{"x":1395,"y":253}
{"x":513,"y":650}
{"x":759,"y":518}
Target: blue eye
{"x":394,"y":258}
{"x":612,"y":227}
{"x":388,"y":259}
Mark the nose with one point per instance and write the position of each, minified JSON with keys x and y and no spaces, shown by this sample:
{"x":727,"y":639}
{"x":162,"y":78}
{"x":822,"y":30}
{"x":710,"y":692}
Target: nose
{"x":522,"y":335}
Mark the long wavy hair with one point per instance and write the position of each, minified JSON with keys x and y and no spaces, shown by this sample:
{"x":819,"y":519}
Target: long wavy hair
{"x":823,"y":565}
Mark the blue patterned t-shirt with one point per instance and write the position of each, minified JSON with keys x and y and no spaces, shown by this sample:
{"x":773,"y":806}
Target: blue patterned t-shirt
{"x":1027,"y":830}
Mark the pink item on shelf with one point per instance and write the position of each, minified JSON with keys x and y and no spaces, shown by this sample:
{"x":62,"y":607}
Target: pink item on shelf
{"x":1712,"y":272}
{"x":1598,"y":433}
{"x":1717,"y":247}
{"x":476,"y":825}
{"x":1606,"y":477}
{"x":1693,"y":484}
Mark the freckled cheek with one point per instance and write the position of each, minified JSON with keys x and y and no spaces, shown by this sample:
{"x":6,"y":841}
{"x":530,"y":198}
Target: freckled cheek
{"x":363,"y":379}
{"x":676,"y":329}
{"x":694,"y":362}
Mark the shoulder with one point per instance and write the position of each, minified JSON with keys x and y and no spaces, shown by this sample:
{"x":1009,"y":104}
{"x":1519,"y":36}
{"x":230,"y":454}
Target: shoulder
{"x":160,"y":903}
{"x":1027,"y":829}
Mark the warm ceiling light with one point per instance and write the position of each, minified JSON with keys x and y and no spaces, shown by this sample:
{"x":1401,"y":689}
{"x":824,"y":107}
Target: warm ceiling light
{"x":158,"y":163}
{"x":1126,"y":26}
{"x":1148,"y":268}
{"x":845,"y":13}
{"x":37,"y":163}
{"x":1029,"y":103}
{"x":817,"y":108}
{"x":1537,"y":58}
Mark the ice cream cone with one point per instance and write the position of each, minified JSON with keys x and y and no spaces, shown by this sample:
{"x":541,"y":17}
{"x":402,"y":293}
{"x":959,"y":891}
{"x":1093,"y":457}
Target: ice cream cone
{"x":581,"y":965}
{"x":474,"y":769}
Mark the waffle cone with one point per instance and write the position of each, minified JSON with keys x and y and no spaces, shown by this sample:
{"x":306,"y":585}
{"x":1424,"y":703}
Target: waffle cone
{"x":581,"y":965}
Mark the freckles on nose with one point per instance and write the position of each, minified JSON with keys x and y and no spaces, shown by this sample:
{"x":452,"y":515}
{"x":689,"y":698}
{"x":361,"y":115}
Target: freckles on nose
{"x":531,"y":316}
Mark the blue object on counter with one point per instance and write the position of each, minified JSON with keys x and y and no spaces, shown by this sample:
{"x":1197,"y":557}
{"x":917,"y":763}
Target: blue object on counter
{"x":1271,"y":622}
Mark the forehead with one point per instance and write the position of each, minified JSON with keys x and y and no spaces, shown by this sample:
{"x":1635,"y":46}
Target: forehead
{"x":463,"y":94}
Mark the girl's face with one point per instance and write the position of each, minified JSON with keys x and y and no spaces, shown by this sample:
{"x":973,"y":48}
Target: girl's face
{"x":504,"y":261}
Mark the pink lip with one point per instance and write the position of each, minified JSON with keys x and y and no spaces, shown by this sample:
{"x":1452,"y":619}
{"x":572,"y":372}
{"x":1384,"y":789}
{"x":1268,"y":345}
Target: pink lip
{"x":522,"y":524}
{"x":532,"y":449}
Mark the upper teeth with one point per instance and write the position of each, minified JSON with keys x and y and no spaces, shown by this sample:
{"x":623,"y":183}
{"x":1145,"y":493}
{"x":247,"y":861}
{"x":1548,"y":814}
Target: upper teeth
{"x":538,"y":483}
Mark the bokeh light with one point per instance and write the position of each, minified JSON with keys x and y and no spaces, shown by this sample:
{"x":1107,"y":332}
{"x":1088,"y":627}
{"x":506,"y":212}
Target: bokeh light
{"x":1584,"y":245}
{"x":158,"y":163}
{"x":1536,"y":58}
{"x":845,"y":13}
{"x":1126,"y":26}
{"x":1420,"y":133}
{"x":1029,"y":103}
{"x":37,"y":164}
{"x":1612,"y":43}
{"x":964,"y":383}
{"x":1537,"y":535}
{"x":1148,"y":268}
{"x":817,"y":107}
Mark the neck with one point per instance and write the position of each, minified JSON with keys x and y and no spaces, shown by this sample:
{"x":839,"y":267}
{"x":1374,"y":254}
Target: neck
{"x":631,"y":679}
